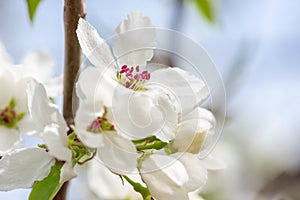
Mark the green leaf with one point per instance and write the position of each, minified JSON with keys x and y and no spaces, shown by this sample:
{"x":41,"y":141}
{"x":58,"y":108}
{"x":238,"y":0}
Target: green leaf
{"x":47,"y":188}
{"x":32,"y":6}
{"x":206,"y":8}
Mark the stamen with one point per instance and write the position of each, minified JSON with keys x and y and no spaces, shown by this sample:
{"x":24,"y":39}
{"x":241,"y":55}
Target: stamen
{"x":8,"y":115}
{"x":101,"y":124}
{"x":133,"y":78}
{"x":127,"y":84}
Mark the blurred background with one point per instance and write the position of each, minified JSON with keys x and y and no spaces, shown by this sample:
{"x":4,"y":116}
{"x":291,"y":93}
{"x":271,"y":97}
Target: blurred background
{"x":256,"y":47}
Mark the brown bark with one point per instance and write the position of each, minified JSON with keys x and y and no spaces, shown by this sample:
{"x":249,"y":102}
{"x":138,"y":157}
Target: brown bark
{"x":73,"y":10}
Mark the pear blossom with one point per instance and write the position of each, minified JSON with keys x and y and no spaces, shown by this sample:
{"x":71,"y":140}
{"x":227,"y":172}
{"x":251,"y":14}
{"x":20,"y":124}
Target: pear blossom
{"x":14,"y":113}
{"x":119,"y":95}
{"x":36,"y":162}
{"x":39,"y":65}
{"x":175,"y":176}
{"x":51,"y":127}
{"x":195,"y":129}
{"x":94,"y":130}
{"x":125,"y":87}
{"x":182,"y":172}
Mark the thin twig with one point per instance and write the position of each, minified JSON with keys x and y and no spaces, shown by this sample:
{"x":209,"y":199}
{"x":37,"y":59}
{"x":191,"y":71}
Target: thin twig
{"x":73,"y":10}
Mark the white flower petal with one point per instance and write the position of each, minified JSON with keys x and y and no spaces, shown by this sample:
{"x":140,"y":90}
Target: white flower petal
{"x":9,"y":139}
{"x":85,"y":115}
{"x":96,"y":85}
{"x":183,"y":86}
{"x":135,"y":40}
{"x":191,"y":135}
{"x":87,"y":83}
{"x":196,"y":170}
{"x":21,"y":168}
{"x":54,"y":86}
{"x":20,"y":95}
{"x":67,"y":173}
{"x":93,"y":46}
{"x":171,"y":116}
{"x":41,"y":110}
{"x":8,"y":87}
{"x":90,"y":139}
{"x":57,"y":143}
{"x":200,"y":113}
{"x":26,"y":125}
{"x":165,"y":177}
{"x":136,"y":114}
{"x":107,"y":185}
{"x":39,"y":65}
{"x":118,"y":153}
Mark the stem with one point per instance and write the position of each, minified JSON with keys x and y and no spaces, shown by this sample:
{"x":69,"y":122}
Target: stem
{"x":139,"y":188}
{"x":147,"y":139}
{"x":73,"y":10}
{"x":156,"y":145}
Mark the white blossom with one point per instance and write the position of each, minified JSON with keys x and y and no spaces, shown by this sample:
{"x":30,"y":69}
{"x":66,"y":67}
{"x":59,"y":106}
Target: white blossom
{"x":175,"y":176}
{"x":21,"y":167}
{"x":14,"y":113}
{"x":39,"y":65}
{"x":51,"y":127}
{"x":95,"y":131}
{"x":141,"y":103}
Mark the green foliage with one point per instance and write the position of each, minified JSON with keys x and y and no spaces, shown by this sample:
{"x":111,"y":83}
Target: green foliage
{"x":32,"y":6}
{"x":206,"y":8}
{"x":47,"y":188}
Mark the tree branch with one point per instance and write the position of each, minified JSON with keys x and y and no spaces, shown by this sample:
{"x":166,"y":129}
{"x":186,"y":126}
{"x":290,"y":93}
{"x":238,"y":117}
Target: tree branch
{"x":73,"y":10}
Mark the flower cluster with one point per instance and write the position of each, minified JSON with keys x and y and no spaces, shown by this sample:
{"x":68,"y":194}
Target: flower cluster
{"x":142,"y":125}
{"x":158,"y":127}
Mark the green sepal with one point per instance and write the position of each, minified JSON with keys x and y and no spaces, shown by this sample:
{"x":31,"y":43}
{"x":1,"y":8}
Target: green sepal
{"x":47,"y":188}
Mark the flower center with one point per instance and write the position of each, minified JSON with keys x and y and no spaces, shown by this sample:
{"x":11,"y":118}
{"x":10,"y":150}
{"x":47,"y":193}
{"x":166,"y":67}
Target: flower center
{"x":132,"y":78}
{"x":9,"y":116}
{"x":101,"y":124}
